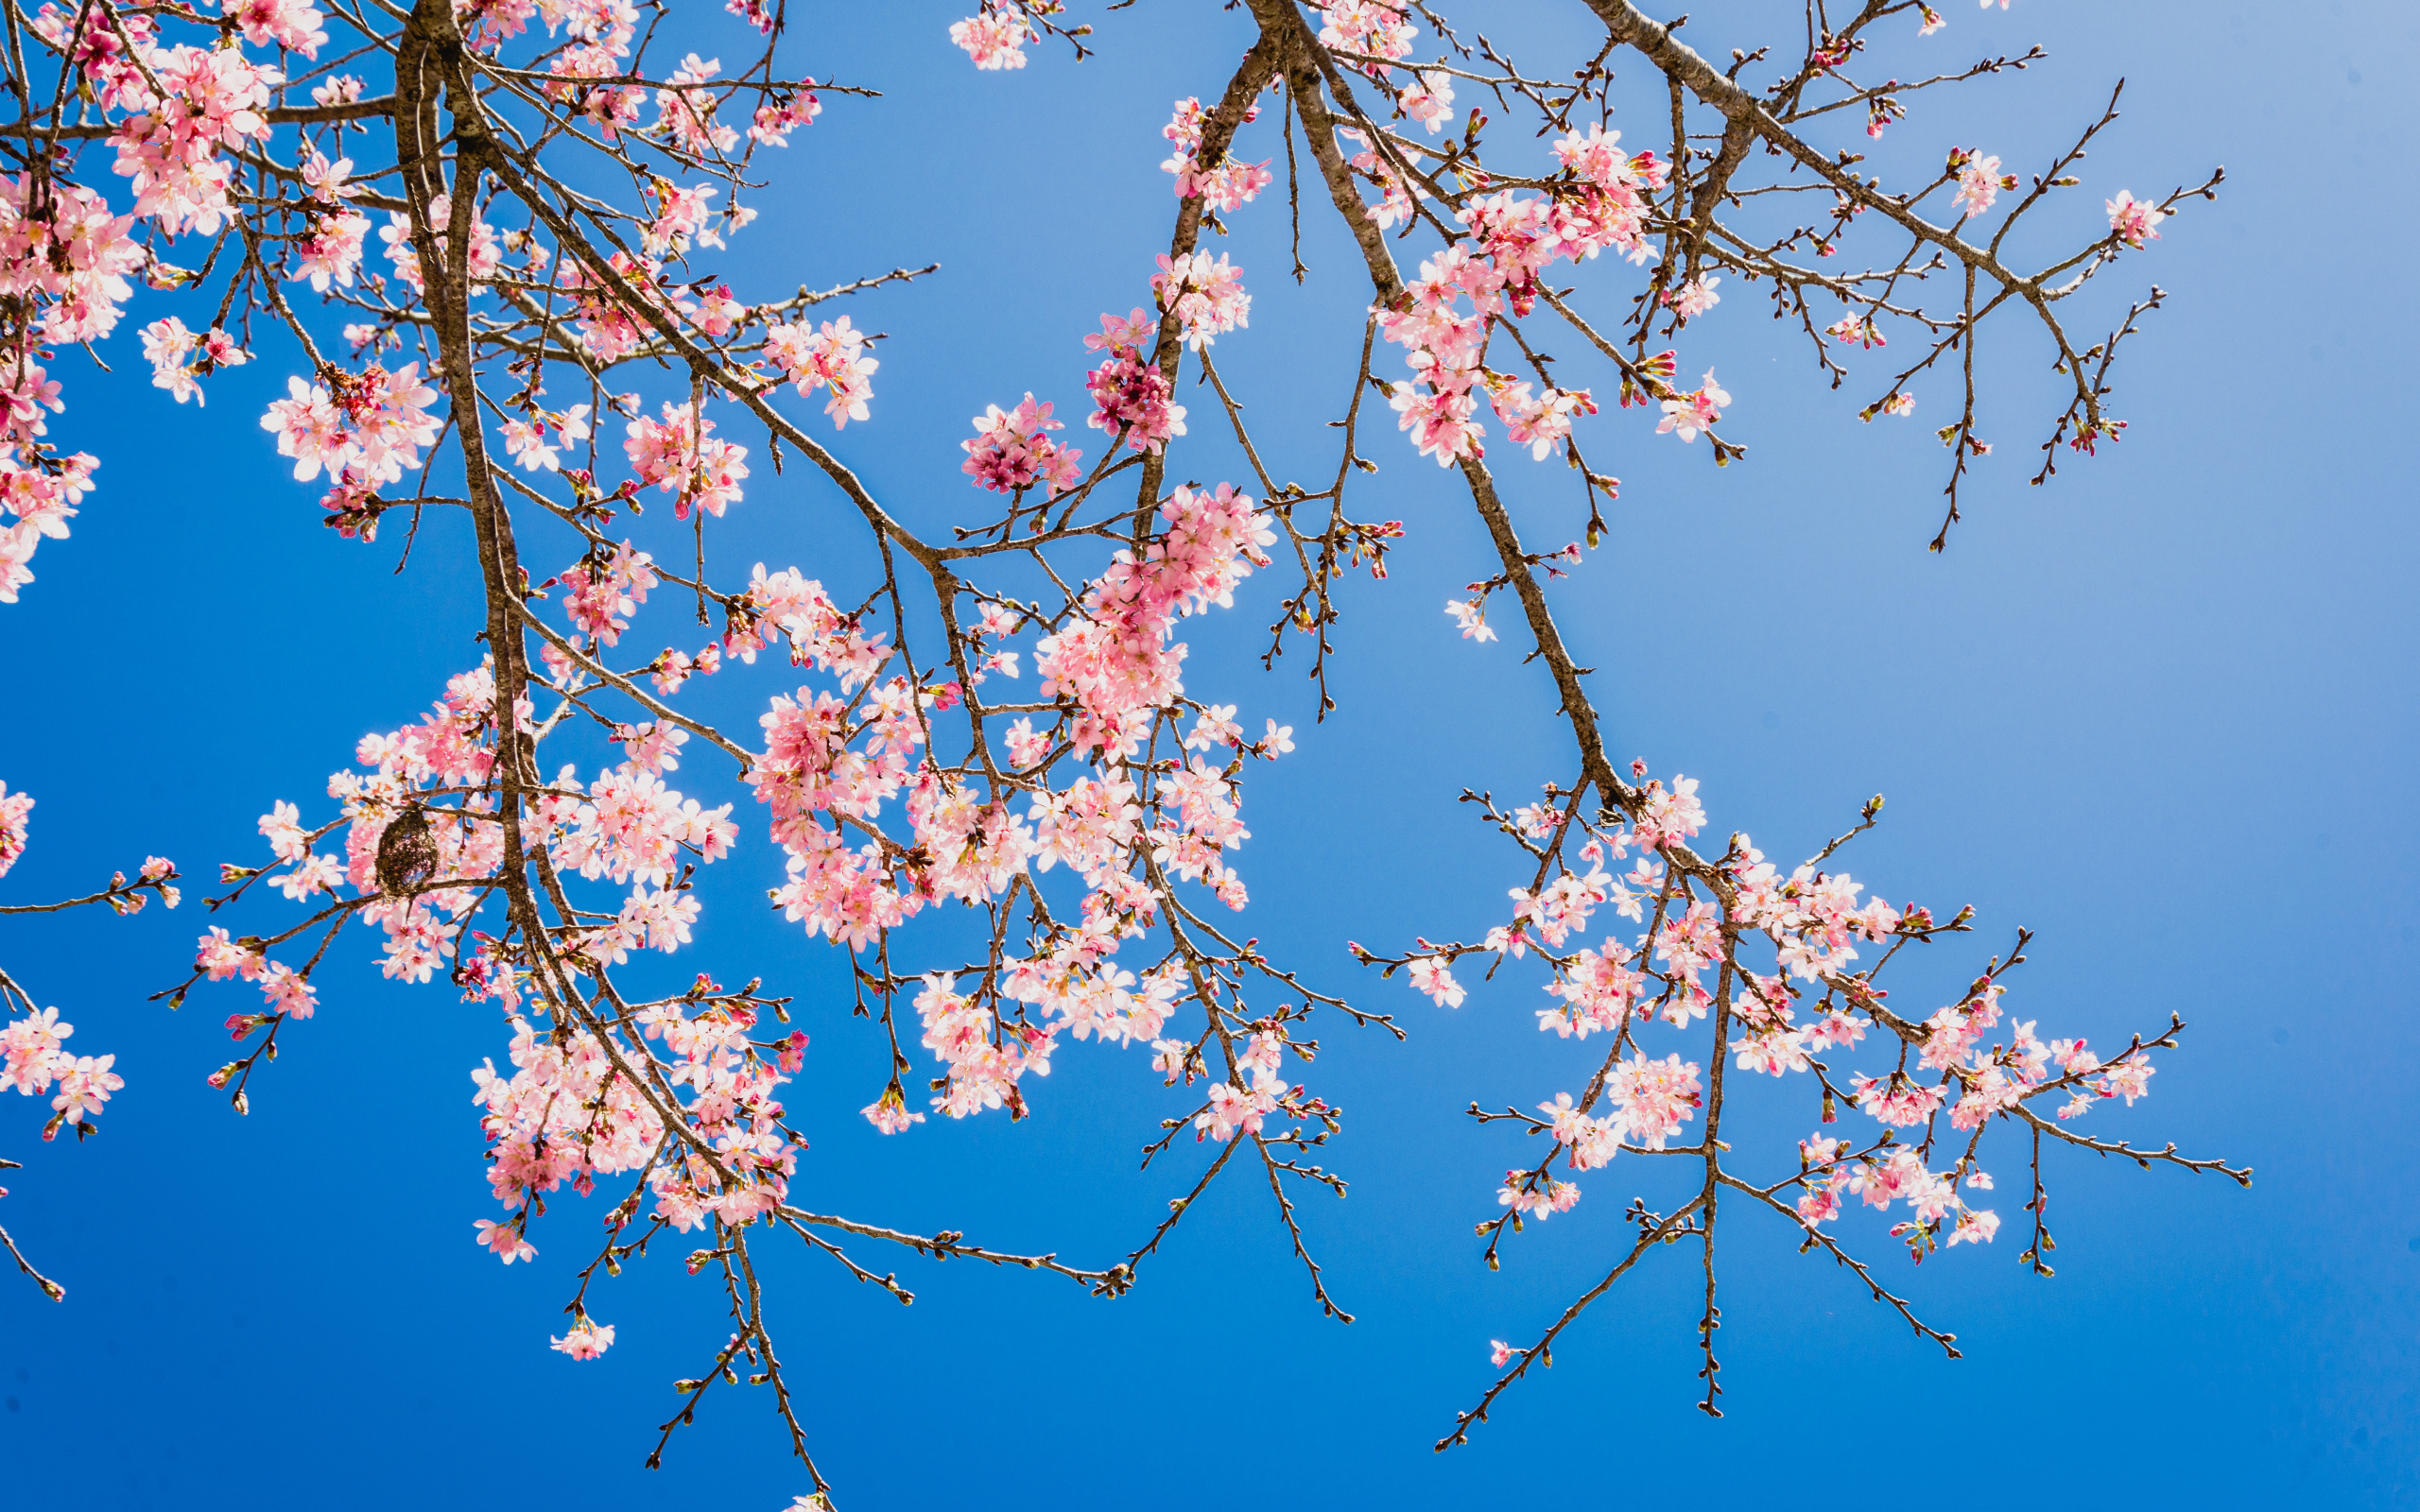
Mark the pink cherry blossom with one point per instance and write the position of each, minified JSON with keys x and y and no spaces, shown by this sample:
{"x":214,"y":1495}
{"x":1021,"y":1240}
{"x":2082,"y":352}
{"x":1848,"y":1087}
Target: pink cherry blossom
{"x":2131,"y":220}
{"x":1012,"y":450}
{"x":1979,"y":182}
{"x":1430,"y":975}
{"x":1471,"y":618}
{"x":1428,"y":98}
{"x":1207,"y":297}
{"x":14,"y":807}
{"x":680,"y":454}
{"x":1695,"y":412}
{"x":1380,"y":27}
{"x":833,"y":357}
{"x":1227,"y":186}
{"x":995,"y":37}
{"x":505,"y":1240}
{"x":587,"y":1339}
{"x":1695,"y":296}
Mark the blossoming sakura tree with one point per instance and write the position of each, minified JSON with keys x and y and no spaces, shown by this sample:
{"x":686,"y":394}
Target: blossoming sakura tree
{"x":1001,"y":723}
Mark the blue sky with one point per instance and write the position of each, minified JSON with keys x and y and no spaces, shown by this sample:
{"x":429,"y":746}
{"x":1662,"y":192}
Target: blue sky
{"x":2160,"y":712}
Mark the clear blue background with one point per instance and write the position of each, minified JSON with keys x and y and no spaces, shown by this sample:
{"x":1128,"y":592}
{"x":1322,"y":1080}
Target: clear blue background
{"x":2161,"y":712}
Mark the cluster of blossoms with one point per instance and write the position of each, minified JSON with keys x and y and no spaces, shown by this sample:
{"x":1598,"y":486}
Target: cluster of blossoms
{"x":14,"y":807}
{"x":1979,"y":182}
{"x":680,"y":454}
{"x":1694,"y":297}
{"x":685,"y":112}
{"x":1815,"y":923}
{"x":1602,"y":198}
{"x":682,"y":217}
{"x":586,"y":1340}
{"x":993,"y":37}
{"x":43,"y":497}
{"x":833,"y":357}
{"x":1011,"y":451}
{"x":1207,"y":295}
{"x":34,"y":1057}
{"x":601,"y":590}
{"x":368,"y":430}
{"x":1895,"y":1175}
{"x":211,"y":100}
{"x":1397,"y":194}
{"x":525,"y":443}
{"x":570,"y":1111}
{"x":1227,"y":185}
{"x":1377,"y":28}
{"x":598,"y":34}
{"x":65,"y":255}
{"x":1242,"y":1103}
{"x":413,"y":865}
{"x":786,"y":113}
{"x":1696,"y":412}
{"x":1131,"y":397}
{"x":1649,"y":1099}
{"x":67,"y":260}
{"x":328,"y":254}
{"x":1600,"y":201}
{"x":832,"y":760}
{"x":982,"y":1060}
{"x":2132,"y":221}
{"x":1115,"y":660}
{"x":1428,"y":99}
{"x":610,"y":327}
{"x":180,"y":358}
{"x":619,"y":299}
{"x":835,"y":759}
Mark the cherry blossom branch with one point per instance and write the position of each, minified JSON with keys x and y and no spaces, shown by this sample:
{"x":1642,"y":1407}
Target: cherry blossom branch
{"x":1739,"y":901}
{"x":1652,"y":1230}
{"x":50,"y":1288}
{"x":948,"y":1245}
